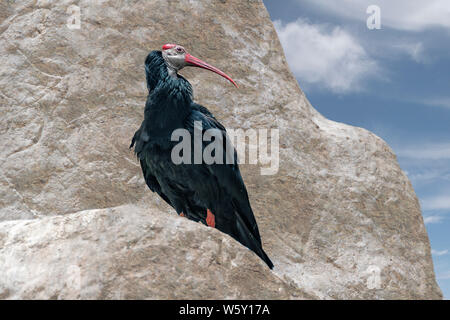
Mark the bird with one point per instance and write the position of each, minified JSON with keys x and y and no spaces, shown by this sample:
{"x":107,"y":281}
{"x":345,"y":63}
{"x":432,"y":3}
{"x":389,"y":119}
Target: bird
{"x":213,"y":194}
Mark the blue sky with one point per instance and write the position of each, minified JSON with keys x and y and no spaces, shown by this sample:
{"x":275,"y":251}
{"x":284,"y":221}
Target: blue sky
{"x":393,"y":81}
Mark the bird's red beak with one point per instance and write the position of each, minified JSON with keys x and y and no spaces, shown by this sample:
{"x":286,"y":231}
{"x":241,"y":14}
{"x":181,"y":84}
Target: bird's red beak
{"x":195,"y":62}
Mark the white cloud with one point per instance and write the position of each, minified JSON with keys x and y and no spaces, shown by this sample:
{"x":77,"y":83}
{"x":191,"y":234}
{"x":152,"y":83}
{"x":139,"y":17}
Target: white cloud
{"x":324,"y":56}
{"x":439,"y":253}
{"x":438,"y":102}
{"x":427,"y":176}
{"x":411,"y":15}
{"x":441,"y":202}
{"x":432,"y":219}
{"x":436,"y":151}
{"x":431,"y":163}
{"x":414,"y":50}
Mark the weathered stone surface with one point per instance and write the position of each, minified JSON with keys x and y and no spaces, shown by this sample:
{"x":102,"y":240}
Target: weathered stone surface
{"x":339,"y":212}
{"x":128,"y":252}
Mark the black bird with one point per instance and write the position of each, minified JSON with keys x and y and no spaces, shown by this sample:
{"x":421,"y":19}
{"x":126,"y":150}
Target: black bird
{"x":213,"y":194}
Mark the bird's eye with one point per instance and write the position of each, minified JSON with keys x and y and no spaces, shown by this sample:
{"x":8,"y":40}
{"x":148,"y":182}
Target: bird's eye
{"x":180,"y":50}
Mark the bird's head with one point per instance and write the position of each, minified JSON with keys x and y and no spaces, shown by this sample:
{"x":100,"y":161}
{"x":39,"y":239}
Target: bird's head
{"x":176,"y":58}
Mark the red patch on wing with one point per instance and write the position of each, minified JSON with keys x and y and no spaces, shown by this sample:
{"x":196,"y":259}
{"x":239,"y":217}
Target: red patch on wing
{"x":210,"y":219}
{"x":182,"y":214}
{"x":168,"y":46}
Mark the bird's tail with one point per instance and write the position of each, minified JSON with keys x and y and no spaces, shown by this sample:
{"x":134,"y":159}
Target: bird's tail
{"x":245,"y":236}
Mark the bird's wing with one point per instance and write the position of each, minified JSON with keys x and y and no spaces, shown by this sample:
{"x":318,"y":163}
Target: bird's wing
{"x":205,"y":111}
{"x":151,"y":181}
{"x":228,"y":175}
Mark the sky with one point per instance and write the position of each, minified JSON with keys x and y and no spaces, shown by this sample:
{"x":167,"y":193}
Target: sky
{"x":393,"y":80}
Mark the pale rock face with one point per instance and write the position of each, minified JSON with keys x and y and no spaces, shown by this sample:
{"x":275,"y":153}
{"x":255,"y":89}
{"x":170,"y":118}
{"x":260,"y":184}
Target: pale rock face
{"x":340,"y":219}
{"x":130,"y":252}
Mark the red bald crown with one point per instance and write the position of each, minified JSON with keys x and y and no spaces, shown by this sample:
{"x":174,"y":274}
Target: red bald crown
{"x":168,"y":46}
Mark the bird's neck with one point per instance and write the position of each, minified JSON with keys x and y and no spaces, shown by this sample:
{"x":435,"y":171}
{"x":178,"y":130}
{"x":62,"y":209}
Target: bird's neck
{"x":168,"y":105}
{"x":171,"y":70}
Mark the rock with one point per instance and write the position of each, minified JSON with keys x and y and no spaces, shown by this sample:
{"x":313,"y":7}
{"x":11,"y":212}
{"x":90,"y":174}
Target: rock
{"x":128,"y":252}
{"x":340,"y":219}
